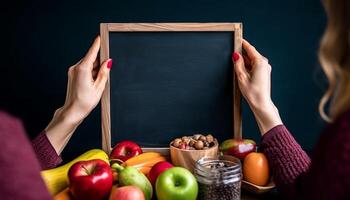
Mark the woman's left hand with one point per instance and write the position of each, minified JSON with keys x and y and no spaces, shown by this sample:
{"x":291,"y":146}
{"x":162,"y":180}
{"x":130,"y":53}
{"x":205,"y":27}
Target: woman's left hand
{"x":86,"y":83}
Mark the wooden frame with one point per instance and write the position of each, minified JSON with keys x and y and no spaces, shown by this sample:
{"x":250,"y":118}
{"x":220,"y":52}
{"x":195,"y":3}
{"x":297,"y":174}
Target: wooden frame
{"x":106,"y":28}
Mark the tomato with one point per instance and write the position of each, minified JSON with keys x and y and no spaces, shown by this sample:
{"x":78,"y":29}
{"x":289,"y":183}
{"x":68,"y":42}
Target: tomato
{"x":256,"y":169}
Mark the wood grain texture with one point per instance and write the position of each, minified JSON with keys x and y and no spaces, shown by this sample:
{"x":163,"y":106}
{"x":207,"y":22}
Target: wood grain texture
{"x":155,"y":27}
{"x":105,"y":28}
{"x":237,"y":110}
{"x":105,"y":100}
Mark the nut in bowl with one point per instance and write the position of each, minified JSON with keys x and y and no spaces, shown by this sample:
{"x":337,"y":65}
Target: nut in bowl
{"x":187,"y":150}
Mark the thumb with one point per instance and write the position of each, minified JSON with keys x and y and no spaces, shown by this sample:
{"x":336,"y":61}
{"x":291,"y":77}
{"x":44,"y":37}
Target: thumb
{"x":239,"y":67}
{"x":103,"y":75}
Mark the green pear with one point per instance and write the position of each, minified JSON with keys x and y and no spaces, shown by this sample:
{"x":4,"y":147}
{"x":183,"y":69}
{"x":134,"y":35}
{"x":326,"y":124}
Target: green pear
{"x":131,"y":176}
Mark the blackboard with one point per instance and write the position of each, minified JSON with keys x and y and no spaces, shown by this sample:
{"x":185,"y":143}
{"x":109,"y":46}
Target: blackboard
{"x":166,"y":84}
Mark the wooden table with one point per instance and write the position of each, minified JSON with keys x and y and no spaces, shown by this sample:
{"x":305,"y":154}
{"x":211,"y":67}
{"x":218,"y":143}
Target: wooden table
{"x":270,"y":196}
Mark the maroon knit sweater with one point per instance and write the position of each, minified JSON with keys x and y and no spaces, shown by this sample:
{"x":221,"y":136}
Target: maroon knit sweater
{"x":45,"y":152}
{"x":20,"y":170}
{"x":326,"y":177}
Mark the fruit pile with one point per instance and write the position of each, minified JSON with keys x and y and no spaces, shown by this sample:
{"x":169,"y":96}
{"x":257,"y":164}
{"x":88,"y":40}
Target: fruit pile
{"x":130,"y":174}
{"x":126,"y":174}
{"x":195,"y":142}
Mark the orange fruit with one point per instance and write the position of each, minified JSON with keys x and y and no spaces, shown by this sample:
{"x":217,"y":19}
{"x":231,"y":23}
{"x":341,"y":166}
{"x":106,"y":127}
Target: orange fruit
{"x":256,"y":169}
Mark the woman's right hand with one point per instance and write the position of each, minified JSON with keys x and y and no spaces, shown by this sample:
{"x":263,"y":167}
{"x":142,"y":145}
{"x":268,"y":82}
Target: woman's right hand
{"x":254,"y":80}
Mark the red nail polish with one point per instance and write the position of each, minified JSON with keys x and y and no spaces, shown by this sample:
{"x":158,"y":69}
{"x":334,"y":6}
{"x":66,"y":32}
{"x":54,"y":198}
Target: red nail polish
{"x":235,"y":56}
{"x":109,"y":64}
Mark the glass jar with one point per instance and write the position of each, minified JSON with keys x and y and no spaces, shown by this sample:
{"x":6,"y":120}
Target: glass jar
{"x":219,"y":178}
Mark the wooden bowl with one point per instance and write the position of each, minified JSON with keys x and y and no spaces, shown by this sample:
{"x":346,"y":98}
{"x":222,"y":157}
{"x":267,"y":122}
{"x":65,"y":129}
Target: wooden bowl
{"x":188,"y":158}
{"x":256,"y":189}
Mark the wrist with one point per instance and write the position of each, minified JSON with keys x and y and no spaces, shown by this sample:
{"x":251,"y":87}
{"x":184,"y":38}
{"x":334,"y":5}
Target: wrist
{"x":266,"y":115}
{"x":69,"y":117}
{"x":61,"y":128}
{"x":262,"y":107}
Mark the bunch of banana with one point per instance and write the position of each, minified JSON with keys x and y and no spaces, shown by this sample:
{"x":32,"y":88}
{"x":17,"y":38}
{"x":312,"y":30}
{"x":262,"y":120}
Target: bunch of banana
{"x":57,"y":179}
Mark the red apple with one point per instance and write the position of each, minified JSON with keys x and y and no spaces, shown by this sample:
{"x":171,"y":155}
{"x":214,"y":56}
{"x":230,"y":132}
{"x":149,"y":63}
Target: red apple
{"x":125,"y":150}
{"x":90,"y":179}
{"x":238,"y":147}
{"x":157,"y":169}
{"x":130,"y":192}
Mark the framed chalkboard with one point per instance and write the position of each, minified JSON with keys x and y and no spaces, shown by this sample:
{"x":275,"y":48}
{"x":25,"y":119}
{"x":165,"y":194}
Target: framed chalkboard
{"x":169,"y":80}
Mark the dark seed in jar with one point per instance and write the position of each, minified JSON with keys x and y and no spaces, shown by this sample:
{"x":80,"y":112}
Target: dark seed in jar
{"x":229,"y":191}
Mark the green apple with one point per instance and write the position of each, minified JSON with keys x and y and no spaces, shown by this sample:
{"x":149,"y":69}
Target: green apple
{"x":176,"y":183}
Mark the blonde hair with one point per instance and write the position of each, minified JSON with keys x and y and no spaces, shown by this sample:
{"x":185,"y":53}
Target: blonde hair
{"x":334,"y":56}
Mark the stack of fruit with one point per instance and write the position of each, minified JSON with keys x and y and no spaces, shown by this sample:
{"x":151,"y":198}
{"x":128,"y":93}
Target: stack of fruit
{"x":255,"y":165}
{"x":133,"y":177}
{"x":130,"y":174}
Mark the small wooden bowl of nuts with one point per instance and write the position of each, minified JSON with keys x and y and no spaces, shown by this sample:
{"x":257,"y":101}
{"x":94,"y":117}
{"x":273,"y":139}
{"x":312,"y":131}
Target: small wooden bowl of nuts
{"x":185,"y":151}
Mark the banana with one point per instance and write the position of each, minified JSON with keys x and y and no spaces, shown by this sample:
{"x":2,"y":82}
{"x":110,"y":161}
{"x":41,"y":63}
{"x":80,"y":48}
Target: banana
{"x":56,"y":179}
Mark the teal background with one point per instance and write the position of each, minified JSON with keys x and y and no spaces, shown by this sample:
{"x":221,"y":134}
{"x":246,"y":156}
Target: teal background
{"x":41,"y":39}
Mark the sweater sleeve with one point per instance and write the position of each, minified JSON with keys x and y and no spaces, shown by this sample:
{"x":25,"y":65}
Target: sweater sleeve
{"x":45,"y":152}
{"x":296,"y":177}
{"x":286,"y":158}
{"x":20,"y":170}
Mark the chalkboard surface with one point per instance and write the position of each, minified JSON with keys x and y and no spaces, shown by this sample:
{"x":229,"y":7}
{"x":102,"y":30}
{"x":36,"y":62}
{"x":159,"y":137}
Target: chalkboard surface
{"x":169,"y":84}
{"x":169,"y":80}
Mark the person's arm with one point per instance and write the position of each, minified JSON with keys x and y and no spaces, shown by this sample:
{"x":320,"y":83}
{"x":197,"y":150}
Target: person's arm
{"x":45,"y":152}
{"x":253,"y":73}
{"x":286,"y":158}
{"x":326,"y":177}
{"x":20,"y":170}
{"x":86,"y":83}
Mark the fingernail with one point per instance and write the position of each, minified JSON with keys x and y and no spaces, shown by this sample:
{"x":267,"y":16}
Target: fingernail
{"x":109,"y":64}
{"x":235,"y":56}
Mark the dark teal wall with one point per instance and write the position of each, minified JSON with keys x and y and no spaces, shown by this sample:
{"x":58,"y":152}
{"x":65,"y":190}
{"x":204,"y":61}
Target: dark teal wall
{"x":41,"y":39}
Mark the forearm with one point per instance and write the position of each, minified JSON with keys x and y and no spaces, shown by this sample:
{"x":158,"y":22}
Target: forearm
{"x":286,"y":158}
{"x":61,"y":128}
{"x":49,"y":144}
{"x":266,"y":115}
